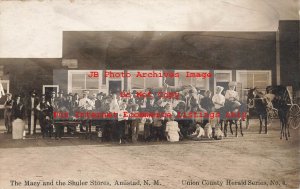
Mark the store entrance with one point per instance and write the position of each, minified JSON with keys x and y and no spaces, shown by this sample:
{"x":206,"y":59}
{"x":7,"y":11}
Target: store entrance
{"x":114,"y":87}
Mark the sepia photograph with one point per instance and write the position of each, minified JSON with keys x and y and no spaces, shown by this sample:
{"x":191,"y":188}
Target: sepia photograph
{"x":149,"y":94}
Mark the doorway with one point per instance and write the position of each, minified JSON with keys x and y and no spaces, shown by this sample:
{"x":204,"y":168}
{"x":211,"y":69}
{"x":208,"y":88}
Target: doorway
{"x":48,"y":89}
{"x":115,"y":87}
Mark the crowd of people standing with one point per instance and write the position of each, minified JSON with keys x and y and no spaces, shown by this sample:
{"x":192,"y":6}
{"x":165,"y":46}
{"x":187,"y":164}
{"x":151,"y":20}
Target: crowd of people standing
{"x":122,"y":128}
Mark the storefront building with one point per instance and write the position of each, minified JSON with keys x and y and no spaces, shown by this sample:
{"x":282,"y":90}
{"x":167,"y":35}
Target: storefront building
{"x":252,"y":59}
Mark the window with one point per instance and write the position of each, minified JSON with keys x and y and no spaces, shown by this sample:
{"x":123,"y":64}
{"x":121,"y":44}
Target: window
{"x":142,"y":83}
{"x":79,"y":81}
{"x":253,"y":78}
{"x":197,"y":82}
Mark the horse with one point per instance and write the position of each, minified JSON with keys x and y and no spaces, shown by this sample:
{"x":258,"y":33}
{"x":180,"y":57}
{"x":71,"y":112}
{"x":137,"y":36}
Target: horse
{"x":257,"y":101}
{"x":281,"y":102}
{"x":230,"y":116}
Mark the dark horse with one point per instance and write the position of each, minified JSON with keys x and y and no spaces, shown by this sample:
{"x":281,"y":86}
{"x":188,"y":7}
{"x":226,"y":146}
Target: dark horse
{"x":230,"y":116}
{"x":281,"y":102}
{"x":259,"y":104}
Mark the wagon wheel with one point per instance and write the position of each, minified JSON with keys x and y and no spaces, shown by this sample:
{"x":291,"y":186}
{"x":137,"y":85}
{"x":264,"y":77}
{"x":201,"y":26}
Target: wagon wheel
{"x":294,"y":116}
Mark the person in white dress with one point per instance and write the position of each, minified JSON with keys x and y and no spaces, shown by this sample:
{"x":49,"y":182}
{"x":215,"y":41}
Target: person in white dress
{"x":218,"y":99}
{"x":232,"y":96}
{"x":172,"y":130}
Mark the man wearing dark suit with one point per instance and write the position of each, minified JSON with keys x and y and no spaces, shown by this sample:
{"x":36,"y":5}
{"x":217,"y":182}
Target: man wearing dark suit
{"x":32,"y":113}
{"x":8,"y":113}
{"x":18,"y":108}
{"x":43,"y":112}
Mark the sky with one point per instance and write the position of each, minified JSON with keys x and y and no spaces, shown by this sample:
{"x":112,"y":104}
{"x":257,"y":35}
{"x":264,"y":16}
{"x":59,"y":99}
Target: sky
{"x":33,"y":29}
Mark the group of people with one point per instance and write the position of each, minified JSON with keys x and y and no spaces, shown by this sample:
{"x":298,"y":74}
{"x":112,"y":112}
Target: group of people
{"x":123,"y":128}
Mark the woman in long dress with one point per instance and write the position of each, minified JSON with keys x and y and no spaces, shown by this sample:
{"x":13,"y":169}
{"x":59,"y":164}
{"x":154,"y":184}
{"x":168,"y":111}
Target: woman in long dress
{"x":172,"y":130}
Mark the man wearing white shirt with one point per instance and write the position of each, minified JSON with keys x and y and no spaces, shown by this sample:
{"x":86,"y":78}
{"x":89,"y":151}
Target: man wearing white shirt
{"x":85,"y":103}
{"x":122,"y":121}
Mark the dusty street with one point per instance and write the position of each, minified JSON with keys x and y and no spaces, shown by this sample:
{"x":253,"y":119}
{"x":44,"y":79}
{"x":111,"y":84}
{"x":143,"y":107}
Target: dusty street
{"x":257,"y":160}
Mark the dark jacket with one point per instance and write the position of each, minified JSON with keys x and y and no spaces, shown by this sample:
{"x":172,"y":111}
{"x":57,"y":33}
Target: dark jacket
{"x":29,"y":107}
{"x":18,"y":110}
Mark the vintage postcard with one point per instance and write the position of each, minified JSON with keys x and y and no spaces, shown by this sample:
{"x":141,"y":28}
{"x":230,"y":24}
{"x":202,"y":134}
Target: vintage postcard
{"x":149,"y":94}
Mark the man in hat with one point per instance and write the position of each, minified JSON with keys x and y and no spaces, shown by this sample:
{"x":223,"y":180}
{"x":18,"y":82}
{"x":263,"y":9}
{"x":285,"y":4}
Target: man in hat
{"x":206,"y":102}
{"x":85,"y":103}
{"x":18,"y":108}
{"x":100,"y":103}
{"x":93,"y":99}
{"x":8,"y":113}
{"x":61,"y":101}
{"x":191,"y":97}
{"x":43,"y":111}
{"x":70,"y":104}
{"x":32,"y":113}
{"x":232,"y":96}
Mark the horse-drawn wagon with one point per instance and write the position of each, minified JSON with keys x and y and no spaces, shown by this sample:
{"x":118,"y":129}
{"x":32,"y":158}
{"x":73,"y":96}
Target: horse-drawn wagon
{"x":277,"y":102}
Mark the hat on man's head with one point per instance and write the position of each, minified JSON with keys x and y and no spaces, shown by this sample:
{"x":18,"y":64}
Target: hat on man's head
{"x":232,"y":83}
{"x":86,"y":92}
{"x":33,"y":92}
{"x":8,"y":94}
{"x":219,"y":89}
{"x":61,"y":92}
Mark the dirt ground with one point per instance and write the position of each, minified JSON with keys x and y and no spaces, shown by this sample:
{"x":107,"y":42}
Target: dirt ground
{"x":253,"y":161}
